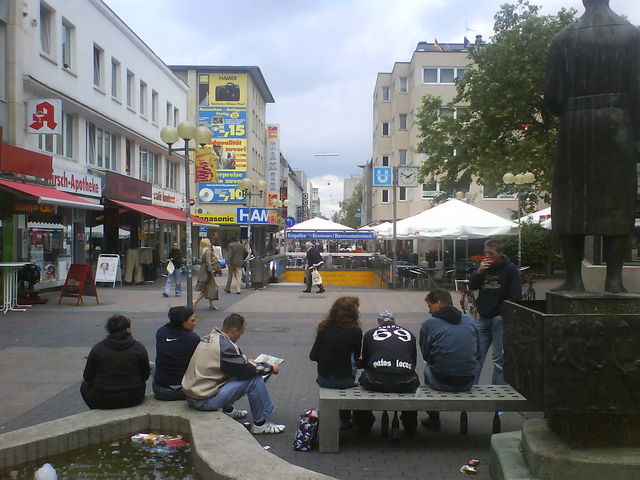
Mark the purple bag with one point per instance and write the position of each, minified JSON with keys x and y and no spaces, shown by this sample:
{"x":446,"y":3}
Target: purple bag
{"x":307,"y":431}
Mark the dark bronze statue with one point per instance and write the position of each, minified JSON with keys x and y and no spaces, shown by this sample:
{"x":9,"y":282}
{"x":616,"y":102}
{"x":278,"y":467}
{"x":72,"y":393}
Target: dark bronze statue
{"x":593,"y":83}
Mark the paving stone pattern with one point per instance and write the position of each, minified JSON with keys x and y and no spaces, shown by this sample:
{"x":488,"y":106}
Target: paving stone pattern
{"x":42,"y":355}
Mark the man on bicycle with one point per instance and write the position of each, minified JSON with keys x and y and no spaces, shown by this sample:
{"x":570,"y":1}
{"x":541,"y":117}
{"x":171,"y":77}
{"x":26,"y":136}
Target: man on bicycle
{"x":498,"y":279}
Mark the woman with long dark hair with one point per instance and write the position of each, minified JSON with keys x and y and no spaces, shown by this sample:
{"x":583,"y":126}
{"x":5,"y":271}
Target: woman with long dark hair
{"x":337,"y":347}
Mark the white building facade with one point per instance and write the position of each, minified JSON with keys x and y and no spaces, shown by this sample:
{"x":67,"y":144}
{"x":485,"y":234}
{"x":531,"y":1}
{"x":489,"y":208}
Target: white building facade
{"x":114,"y":94}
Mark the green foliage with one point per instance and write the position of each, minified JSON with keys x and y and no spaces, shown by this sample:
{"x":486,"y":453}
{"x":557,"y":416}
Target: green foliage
{"x":349,"y":209}
{"x":506,"y":126}
{"x":537,"y":245}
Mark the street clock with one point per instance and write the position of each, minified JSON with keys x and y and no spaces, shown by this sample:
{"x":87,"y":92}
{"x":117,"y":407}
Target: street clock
{"x":407,"y":176}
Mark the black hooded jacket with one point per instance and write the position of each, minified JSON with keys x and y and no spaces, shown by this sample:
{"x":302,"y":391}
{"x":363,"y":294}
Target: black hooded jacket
{"x":117,"y":364}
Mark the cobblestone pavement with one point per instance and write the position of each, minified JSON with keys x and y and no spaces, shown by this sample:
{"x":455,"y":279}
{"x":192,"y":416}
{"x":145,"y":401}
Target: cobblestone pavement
{"x":42,"y":354}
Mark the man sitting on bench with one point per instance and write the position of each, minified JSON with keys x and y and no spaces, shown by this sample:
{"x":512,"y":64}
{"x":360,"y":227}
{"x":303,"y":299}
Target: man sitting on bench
{"x":450,"y":347}
{"x":389,"y":359}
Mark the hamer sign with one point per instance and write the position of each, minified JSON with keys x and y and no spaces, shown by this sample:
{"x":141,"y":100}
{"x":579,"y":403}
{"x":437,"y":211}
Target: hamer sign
{"x":44,"y":115}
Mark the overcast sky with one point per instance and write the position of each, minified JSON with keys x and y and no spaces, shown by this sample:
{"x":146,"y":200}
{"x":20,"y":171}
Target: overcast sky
{"x":320,"y":59}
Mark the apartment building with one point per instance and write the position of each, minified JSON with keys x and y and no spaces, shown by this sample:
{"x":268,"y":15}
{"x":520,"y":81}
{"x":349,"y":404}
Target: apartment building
{"x":83,"y":102}
{"x":396,"y":101}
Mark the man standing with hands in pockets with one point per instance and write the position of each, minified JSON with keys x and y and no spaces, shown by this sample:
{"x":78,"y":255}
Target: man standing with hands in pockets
{"x":498,"y":279}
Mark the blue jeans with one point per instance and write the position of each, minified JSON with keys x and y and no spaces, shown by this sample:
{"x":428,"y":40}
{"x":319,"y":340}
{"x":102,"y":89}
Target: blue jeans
{"x":176,"y":277}
{"x":254,"y":388}
{"x":430,"y":380}
{"x":490,"y":331}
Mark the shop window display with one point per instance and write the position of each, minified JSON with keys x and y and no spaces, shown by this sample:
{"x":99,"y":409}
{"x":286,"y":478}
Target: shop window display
{"x":49,"y":247}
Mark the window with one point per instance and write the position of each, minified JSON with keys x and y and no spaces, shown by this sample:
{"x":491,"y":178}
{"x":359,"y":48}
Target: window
{"x":386,"y":94}
{"x":143,"y":98}
{"x":169,"y":114}
{"x":429,"y":190}
{"x":148,"y":166}
{"x":154,"y":106}
{"x":3,"y":61}
{"x":115,"y":78}
{"x":68,"y":32}
{"x":102,"y":147}
{"x":128,"y":160}
{"x":59,"y":144}
{"x":203,"y":90}
{"x":402,"y":194}
{"x":445,"y":75}
{"x":46,"y":21}
{"x":446,"y":113}
{"x":403,"y":84}
{"x":402,"y":157}
{"x":176,"y":116}
{"x":385,"y":128}
{"x":171,"y":174}
{"x":403,"y":121}
{"x":385,"y":160}
{"x":130,"y":89}
{"x":385,"y":196}
{"x":98,"y":66}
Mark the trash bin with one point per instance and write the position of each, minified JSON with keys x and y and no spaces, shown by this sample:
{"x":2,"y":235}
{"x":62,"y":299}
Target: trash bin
{"x":259,"y":273}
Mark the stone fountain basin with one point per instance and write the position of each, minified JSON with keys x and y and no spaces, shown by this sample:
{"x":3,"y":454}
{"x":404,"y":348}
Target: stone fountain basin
{"x":222,"y":447}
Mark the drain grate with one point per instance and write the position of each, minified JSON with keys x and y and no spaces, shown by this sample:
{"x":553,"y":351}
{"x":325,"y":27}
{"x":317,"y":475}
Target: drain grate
{"x":269,"y":329}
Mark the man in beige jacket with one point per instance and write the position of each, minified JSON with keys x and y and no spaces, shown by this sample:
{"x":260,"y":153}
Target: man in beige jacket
{"x":236,"y":254}
{"x":219,"y":374}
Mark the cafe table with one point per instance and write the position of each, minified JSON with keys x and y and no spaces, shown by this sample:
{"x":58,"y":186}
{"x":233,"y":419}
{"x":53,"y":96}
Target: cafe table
{"x":10,"y":286}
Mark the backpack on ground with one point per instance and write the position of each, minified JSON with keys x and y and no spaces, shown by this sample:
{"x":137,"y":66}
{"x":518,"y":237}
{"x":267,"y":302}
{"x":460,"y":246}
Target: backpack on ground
{"x":307,"y":431}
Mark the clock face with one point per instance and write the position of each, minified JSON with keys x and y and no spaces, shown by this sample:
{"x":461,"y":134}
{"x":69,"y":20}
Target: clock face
{"x":407,"y":177}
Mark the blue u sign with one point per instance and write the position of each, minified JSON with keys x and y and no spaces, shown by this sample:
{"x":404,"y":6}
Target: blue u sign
{"x":382,"y":176}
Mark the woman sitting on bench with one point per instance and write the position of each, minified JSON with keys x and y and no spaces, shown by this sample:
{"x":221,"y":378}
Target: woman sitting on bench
{"x":337,"y":347}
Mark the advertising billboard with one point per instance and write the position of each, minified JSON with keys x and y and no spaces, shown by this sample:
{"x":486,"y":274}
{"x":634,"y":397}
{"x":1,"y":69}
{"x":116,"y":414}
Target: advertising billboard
{"x":226,"y":115}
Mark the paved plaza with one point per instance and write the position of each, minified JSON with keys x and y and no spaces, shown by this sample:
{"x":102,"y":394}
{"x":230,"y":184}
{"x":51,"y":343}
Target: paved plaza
{"x":42,"y":355}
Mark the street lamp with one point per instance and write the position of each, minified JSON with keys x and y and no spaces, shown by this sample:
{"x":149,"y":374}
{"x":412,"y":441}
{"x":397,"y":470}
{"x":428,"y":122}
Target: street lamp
{"x":467,"y":197}
{"x":521,"y":181}
{"x":202,"y":136}
{"x":278,"y":204}
{"x":246,"y":185}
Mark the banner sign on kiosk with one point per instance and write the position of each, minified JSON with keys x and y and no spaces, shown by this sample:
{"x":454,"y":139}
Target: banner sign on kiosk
{"x":299,"y":235}
{"x":79,"y":283}
{"x":108,"y":269}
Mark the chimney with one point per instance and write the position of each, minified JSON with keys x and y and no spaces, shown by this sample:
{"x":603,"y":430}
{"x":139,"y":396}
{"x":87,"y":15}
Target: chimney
{"x":478,"y":39}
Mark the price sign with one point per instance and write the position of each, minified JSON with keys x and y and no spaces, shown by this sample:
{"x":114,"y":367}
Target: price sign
{"x":217,"y":193}
{"x":225,"y":122}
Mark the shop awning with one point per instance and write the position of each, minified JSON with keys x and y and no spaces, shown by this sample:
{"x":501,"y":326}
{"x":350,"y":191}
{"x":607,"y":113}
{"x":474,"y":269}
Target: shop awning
{"x":50,"y":196}
{"x":163,"y":214}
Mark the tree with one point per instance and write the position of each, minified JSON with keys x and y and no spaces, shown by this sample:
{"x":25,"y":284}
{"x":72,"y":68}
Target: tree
{"x":350,"y":209}
{"x":506,"y":126}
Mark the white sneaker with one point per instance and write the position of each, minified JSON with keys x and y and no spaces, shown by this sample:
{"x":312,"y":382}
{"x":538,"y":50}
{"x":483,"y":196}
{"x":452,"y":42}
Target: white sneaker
{"x":268,"y":428}
{"x":237,"y":414}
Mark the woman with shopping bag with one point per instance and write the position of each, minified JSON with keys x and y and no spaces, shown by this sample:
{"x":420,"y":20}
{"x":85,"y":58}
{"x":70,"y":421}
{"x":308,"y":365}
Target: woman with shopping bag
{"x":209,"y":268}
{"x":314,"y":262}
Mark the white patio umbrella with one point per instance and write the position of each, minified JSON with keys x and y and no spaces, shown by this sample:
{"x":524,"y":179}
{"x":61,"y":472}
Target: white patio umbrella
{"x":454,"y":219}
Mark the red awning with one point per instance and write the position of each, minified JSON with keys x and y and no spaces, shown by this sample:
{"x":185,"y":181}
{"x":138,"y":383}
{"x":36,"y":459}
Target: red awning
{"x":163,"y":214}
{"x":50,"y":196}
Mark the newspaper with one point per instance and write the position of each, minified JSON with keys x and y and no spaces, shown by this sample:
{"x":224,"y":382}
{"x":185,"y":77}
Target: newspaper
{"x":270,"y":359}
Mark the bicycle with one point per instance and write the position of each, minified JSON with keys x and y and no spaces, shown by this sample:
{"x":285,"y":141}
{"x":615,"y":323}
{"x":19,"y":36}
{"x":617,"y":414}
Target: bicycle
{"x":528,"y":278}
{"x":467,"y":299}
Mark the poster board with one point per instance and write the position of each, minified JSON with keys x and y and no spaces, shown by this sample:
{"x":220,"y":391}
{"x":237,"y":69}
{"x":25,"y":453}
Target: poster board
{"x":108,"y":269}
{"x":79,"y":283}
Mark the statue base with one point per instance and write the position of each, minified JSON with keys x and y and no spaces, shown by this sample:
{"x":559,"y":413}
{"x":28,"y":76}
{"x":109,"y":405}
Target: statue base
{"x":537,"y":453}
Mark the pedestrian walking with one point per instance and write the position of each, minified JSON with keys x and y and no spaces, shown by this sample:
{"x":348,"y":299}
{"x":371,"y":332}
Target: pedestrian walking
{"x":175,"y":261}
{"x":209,"y":268}
{"x":236,"y":254}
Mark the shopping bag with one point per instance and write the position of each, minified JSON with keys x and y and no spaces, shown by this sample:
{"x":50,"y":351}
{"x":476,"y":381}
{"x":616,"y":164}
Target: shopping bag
{"x":170,"y":267}
{"x":307,"y":431}
{"x":316,"y":278}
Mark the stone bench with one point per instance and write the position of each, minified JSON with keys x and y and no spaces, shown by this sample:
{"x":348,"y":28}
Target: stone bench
{"x":482,"y":398}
